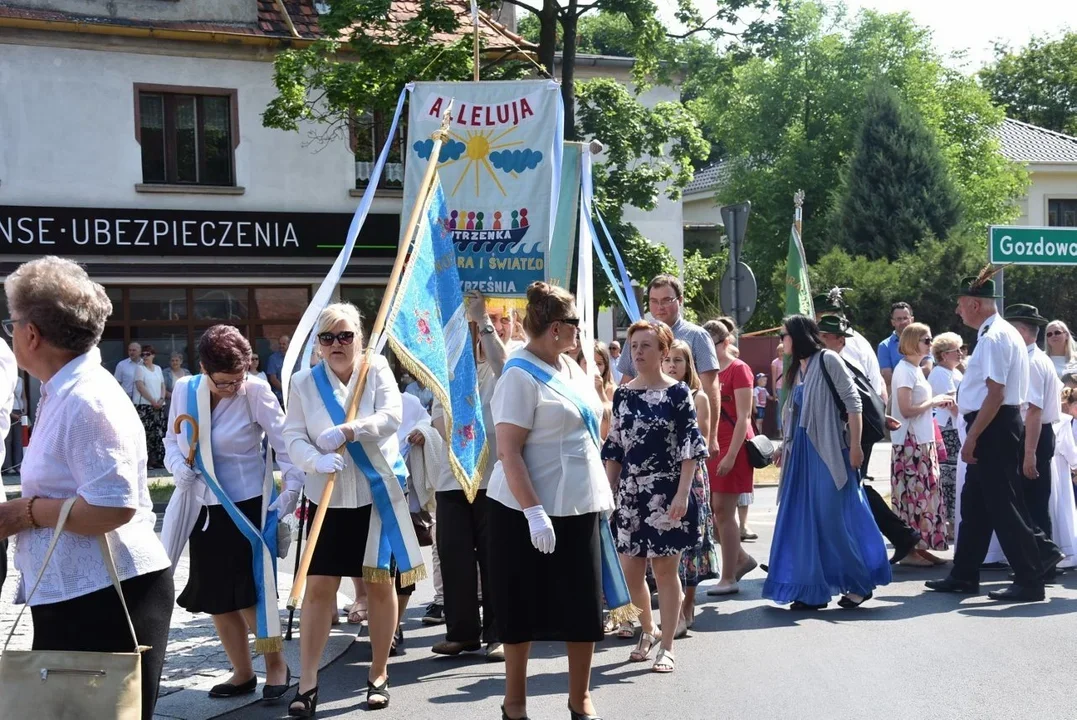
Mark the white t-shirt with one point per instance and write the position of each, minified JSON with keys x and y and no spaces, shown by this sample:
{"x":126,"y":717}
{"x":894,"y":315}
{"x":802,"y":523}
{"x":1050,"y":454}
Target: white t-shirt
{"x":1044,"y":387}
{"x":153,"y":379}
{"x":10,"y":395}
{"x":907,"y":375}
{"x":563,"y":461}
{"x":944,"y":382}
{"x":1000,"y":355}
{"x":858,"y":349}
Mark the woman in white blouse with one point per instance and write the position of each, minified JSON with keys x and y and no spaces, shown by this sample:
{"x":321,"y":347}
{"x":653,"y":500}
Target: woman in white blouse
{"x":914,"y":480}
{"x":87,"y":444}
{"x":149,"y":399}
{"x":546,"y":495}
{"x":313,"y":439}
{"x":254,"y":369}
{"x":945,"y":377}
{"x":242,"y":413}
{"x":1061,"y":347}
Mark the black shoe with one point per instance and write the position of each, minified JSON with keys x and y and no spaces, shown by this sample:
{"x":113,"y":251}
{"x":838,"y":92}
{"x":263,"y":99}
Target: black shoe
{"x":849,"y":604}
{"x":950,"y":584}
{"x":911,"y":540}
{"x":227,"y":690}
{"x":272,"y":693}
{"x":397,"y":648}
{"x":435,"y":614}
{"x":995,"y":566}
{"x":309,"y":701}
{"x":573,"y":715}
{"x":1018,"y":593}
{"x":377,"y":691}
{"x":505,"y":715}
{"x":798,"y":606}
{"x":1051,"y":562}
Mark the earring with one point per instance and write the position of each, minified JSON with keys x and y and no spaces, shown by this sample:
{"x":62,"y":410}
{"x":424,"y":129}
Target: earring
{"x":556,"y":337}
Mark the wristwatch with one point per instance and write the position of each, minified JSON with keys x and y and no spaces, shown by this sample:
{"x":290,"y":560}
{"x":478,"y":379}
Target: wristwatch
{"x":487,"y":328}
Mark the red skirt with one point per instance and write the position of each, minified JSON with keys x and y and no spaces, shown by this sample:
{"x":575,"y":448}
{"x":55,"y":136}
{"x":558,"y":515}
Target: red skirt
{"x":740,"y":478}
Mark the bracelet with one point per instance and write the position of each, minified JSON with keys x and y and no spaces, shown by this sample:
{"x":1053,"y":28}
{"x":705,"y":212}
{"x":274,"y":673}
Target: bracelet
{"x":30,"y":514}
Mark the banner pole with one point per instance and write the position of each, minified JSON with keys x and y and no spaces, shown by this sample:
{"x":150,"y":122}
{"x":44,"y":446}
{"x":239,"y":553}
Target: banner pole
{"x":422,"y":200}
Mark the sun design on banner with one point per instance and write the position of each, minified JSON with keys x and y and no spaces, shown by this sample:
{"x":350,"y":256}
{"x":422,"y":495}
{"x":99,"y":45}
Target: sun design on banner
{"x":481,"y":154}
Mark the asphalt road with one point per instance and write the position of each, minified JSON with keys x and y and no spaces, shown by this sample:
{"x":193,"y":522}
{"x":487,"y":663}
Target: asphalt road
{"x":906,"y":654}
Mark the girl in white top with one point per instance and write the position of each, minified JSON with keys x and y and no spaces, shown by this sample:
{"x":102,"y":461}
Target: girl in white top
{"x":87,"y":445}
{"x":149,"y":399}
{"x":916,"y":491}
{"x":1061,"y":347}
{"x":546,"y":492}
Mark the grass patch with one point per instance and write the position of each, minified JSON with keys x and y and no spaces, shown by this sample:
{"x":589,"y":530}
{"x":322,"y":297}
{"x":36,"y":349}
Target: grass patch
{"x":767,"y":476}
{"x":161,"y":492}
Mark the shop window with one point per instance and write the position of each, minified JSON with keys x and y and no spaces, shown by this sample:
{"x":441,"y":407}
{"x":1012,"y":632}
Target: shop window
{"x":158,"y":304}
{"x":280,"y":303}
{"x":368,"y":134}
{"x":1062,"y":212}
{"x":165,"y":341}
{"x":224,"y":304}
{"x":113,"y":347}
{"x":188,"y":135}
{"x":367,"y":299}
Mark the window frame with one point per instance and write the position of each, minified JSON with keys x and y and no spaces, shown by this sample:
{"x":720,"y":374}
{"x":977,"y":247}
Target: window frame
{"x":1069,"y":199}
{"x":378,"y":128}
{"x":169,"y":95}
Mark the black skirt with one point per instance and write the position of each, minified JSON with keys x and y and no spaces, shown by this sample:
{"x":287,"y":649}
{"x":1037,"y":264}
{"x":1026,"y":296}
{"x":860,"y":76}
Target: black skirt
{"x":342,"y":544}
{"x":222,"y":576}
{"x":539,"y":597}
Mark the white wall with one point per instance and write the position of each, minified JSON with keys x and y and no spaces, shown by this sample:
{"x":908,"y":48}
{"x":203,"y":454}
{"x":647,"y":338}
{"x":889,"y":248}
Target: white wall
{"x":67,"y":122}
{"x":701,"y":209}
{"x":1047,"y":182}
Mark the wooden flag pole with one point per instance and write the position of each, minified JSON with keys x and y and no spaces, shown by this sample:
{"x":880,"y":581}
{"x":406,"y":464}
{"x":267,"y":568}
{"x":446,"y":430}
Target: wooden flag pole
{"x":422,"y":200}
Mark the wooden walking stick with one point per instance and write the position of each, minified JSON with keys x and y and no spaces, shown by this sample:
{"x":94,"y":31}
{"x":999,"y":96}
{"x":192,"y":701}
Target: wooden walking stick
{"x":304,"y":512}
{"x":422,"y":201}
{"x":194,"y":435}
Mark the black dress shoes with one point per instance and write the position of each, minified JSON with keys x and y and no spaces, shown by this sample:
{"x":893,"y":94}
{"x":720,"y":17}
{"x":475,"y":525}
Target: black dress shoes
{"x":905,"y":547}
{"x":226,"y":690}
{"x":1051,"y":562}
{"x":950,"y":584}
{"x":1018,"y":593}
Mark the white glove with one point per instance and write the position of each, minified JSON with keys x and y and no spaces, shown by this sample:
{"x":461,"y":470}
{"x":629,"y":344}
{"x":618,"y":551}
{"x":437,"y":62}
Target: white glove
{"x":332,"y":439}
{"x":542,"y":535}
{"x":331,"y":463}
{"x":186,"y":477}
{"x":285,"y":502}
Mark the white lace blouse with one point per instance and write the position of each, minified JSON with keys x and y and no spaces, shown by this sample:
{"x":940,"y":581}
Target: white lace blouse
{"x":88,"y":441}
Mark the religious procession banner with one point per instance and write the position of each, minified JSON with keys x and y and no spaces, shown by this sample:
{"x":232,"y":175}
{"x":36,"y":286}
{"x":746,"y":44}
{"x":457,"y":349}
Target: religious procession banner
{"x":500,"y":169}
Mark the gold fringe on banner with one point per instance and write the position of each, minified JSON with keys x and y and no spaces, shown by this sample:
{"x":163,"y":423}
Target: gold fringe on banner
{"x":268,"y":645}
{"x":624,"y":614}
{"x":377,"y":575}
{"x":413,"y":576}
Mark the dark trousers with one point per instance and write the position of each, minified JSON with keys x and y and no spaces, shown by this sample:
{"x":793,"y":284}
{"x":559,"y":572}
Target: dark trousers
{"x":868,"y":447}
{"x":992,"y":501}
{"x":3,"y":562}
{"x":890,"y":524}
{"x":462,"y":548}
{"x":96,"y":623}
{"x":1038,"y":491}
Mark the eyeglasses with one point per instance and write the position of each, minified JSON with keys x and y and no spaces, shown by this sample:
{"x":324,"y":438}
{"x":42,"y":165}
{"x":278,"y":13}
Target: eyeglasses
{"x":147,"y":354}
{"x":9,"y":326}
{"x":228,"y":385}
{"x":1054,"y":333}
{"x":347,"y":337}
{"x":662,"y":302}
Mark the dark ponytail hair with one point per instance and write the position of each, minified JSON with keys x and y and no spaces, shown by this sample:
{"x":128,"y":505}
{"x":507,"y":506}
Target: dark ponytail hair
{"x":546,"y":304}
{"x":806,"y":342}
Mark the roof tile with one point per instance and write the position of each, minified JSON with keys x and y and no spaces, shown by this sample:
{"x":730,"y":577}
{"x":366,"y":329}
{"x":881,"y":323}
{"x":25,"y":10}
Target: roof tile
{"x":1022,"y":142}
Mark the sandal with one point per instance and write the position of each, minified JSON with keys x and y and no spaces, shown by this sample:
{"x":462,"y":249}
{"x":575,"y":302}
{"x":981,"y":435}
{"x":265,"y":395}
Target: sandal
{"x":377,"y":691}
{"x":646,"y":643}
{"x":626,"y":631}
{"x":357,"y":613}
{"x":664,"y":662}
{"x":309,"y":701}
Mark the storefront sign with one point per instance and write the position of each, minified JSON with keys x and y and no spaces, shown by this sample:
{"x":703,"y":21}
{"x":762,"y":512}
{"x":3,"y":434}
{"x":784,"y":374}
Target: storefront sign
{"x":149,"y":233}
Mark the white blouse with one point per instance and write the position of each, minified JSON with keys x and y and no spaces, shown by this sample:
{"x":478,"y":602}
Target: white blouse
{"x":153,"y":379}
{"x":240,"y":424}
{"x":944,"y":381}
{"x":907,"y":375}
{"x":87,"y":441}
{"x":563,"y":461}
{"x":380,"y":412}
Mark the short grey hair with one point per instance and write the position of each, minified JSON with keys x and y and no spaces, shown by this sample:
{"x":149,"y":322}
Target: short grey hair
{"x":63,"y":303}
{"x":175,"y":355}
{"x":332,"y":314}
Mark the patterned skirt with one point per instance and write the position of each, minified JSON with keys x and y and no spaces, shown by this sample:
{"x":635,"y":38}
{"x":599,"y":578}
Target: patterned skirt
{"x":701,"y":562}
{"x":154,"y":421}
{"x":948,"y":469}
{"x":916,"y":491}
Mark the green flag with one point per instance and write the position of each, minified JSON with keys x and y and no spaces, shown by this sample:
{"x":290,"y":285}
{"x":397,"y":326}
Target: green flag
{"x":797,"y":288}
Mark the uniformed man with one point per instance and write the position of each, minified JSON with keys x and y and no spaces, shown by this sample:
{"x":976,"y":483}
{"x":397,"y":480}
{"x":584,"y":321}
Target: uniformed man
{"x":990,"y":398}
{"x":1041,"y":410}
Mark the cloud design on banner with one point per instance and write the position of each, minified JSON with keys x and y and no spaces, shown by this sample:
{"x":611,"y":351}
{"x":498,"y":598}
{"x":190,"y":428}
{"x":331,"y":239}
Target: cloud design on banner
{"x":516,"y":161}
{"x":452,"y":150}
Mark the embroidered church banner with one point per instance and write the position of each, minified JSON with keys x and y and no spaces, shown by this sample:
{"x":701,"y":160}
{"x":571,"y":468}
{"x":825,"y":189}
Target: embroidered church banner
{"x":500,"y":169}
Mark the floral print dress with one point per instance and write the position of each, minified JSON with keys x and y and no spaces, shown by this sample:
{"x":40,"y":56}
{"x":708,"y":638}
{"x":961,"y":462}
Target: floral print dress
{"x":652,"y":433}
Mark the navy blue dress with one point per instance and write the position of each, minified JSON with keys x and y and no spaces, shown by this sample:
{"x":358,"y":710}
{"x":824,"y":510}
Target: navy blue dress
{"x":652,"y":433}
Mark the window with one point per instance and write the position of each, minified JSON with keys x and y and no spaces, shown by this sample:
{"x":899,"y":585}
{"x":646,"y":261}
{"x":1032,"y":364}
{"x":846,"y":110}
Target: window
{"x":187,"y":135}
{"x":368,"y":134}
{"x":1062,"y":212}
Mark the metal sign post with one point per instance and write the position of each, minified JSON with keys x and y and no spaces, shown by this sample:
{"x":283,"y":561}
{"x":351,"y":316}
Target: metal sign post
{"x":735,"y":219}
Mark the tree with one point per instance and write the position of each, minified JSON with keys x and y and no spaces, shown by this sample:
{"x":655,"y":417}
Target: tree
{"x":1038,"y":83}
{"x":788,"y":121}
{"x":897,"y":189}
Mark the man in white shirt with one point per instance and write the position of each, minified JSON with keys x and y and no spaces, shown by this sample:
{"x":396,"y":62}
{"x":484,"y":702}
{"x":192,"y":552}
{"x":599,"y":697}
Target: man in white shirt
{"x":990,"y":398}
{"x":9,"y":371}
{"x":127,"y":368}
{"x":615,"y":356}
{"x":1042,"y":409}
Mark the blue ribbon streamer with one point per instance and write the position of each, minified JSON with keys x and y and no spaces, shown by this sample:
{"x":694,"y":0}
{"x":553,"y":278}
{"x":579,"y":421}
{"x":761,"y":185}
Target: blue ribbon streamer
{"x":622,"y":288}
{"x":633,"y":312}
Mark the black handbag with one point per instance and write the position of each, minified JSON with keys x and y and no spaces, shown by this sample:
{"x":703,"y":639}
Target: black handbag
{"x":759,"y":448}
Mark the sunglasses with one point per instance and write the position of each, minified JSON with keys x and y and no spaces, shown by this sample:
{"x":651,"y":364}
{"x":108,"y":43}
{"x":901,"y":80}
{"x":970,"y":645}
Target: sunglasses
{"x":1055,"y":333}
{"x":574,"y":322}
{"x":926,"y":341}
{"x":347,"y":337}
{"x":147,"y":354}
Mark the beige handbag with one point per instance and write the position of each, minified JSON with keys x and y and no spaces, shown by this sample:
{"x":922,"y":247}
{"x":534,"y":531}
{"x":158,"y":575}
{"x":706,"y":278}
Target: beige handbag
{"x":62,"y":685}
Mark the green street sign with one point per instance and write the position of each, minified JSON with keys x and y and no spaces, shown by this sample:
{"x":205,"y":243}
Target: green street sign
{"x":1033,"y":245}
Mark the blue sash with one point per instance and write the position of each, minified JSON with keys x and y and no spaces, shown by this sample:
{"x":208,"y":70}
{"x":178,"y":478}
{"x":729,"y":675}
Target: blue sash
{"x":263,"y":541}
{"x":390,"y":538}
{"x":614,"y":586}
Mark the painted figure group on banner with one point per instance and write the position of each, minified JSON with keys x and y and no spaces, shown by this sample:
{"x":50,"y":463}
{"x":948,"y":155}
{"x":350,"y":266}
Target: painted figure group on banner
{"x":558,"y":482}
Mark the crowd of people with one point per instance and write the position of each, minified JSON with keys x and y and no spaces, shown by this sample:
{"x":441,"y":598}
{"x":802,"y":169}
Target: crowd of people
{"x":644,"y":458}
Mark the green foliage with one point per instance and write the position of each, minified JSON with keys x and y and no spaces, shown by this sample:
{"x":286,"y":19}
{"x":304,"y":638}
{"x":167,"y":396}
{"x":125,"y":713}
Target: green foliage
{"x":1038,"y":83}
{"x":896,"y":190}
{"x":643,"y":259}
{"x":602,"y":33}
{"x":789,"y":121}
{"x":701,"y":277}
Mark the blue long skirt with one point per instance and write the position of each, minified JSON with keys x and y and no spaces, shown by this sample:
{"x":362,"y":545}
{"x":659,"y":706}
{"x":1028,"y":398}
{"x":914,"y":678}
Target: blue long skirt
{"x":826,"y":542}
